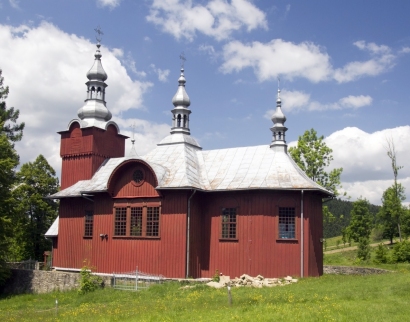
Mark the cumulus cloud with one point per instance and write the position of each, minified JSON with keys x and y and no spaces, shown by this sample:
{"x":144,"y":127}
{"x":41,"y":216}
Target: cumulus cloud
{"x":302,"y":60}
{"x":108,"y":3}
{"x":366,"y":167}
{"x":48,"y":88}
{"x":217,"y":18}
{"x":162,"y":73}
{"x":382,"y":60}
{"x":405,"y":50}
{"x":278,"y":57}
{"x":297,"y":100}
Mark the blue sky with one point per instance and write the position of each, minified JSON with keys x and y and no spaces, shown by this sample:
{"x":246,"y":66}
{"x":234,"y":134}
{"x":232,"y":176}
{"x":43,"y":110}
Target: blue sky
{"x":343,"y":67}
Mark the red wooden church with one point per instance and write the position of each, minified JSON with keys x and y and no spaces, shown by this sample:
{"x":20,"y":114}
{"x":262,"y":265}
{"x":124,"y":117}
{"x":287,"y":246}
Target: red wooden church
{"x":179,"y":210}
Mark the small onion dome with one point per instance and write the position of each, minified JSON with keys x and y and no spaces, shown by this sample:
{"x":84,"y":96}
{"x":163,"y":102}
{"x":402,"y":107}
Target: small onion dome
{"x":278,"y":117}
{"x":97,"y":72}
{"x":181,"y":98}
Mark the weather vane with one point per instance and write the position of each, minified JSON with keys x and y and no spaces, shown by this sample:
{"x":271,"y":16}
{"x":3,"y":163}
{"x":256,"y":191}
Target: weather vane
{"x":99,"y":33}
{"x":183,"y":59}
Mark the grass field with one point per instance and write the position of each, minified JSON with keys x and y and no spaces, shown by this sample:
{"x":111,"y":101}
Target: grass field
{"x":329,"y":298}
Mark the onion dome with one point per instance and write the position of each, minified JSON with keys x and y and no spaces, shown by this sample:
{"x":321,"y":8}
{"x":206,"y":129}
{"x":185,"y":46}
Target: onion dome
{"x":181,"y":101}
{"x":94,"y":111}
{"x":97,"y":72}
{"x":278,"y":129}
{"x":181,"y":98}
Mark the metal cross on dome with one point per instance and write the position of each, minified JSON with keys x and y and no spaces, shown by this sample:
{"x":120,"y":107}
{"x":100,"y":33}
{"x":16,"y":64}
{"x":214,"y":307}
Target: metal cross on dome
{"x":183,"y":59}
{"x":99,"y":33}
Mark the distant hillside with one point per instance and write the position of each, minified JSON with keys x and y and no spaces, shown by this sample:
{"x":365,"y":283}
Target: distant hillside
{"x":341,"y":211}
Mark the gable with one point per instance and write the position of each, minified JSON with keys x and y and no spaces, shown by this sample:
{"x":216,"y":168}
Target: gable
{"x":133,"y":178}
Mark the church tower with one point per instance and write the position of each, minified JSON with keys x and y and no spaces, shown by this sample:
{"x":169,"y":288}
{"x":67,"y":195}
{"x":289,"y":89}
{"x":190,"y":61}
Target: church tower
{"x":279,"y":129}
{"x":91,"y":138}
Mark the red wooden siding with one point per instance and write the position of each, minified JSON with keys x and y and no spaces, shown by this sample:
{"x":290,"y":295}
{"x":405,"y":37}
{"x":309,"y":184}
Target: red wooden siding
{"x":121,"y":184}
{"x":164,"y":255}
{"x":84,"y":150}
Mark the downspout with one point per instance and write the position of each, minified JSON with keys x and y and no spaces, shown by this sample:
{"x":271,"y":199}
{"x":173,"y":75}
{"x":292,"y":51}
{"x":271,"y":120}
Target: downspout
{"x":187,"y":233}
{"x":302,"y":244}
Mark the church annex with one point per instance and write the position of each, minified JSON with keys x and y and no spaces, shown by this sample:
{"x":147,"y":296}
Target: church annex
{"x":179,"y":210}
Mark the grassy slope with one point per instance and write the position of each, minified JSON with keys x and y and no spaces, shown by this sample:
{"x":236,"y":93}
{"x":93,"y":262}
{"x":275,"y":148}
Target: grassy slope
{"x":329,"y":298}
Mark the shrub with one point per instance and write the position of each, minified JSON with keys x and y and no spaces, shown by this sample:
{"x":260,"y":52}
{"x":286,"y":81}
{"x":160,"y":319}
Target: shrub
{"x":363,"y":249}
{"x":216,"y":277}
{"x":88,"y":282}
{"x":401,"y":252}
{"x":381,"y":254}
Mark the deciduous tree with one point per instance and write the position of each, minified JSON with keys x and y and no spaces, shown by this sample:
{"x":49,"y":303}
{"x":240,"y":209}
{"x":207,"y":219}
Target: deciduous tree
{"x":392,"y":210}
{"x":313,"y":156}
{"x":361,"y":221}
{"x":35,"y":214}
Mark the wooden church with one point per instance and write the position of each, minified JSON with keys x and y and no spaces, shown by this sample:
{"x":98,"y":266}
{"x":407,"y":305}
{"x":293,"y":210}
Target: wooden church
{"x":181,"y":211}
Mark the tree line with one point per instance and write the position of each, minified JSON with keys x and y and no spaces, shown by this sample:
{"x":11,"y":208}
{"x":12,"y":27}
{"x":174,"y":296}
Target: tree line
{"x":354,"y":221}
{"x":25,"y":215}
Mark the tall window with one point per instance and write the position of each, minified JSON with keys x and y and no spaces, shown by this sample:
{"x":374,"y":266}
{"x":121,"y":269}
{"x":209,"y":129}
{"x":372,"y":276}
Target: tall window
{"x":229,"y":223}
{"x":287,"y":226}
{"x":137,"y":220}
{"x":88,"y":223}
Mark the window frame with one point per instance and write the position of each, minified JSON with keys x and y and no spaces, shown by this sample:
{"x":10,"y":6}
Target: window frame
{"x":131,"y":210}
{"x":88,"y":224}
{"x":229,"y":224}
{"x":295,"y":231}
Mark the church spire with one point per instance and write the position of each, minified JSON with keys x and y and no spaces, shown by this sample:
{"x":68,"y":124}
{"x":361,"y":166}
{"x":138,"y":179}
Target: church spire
{"x":181,"y":101}
{"x":95,"y":108}
{"x":279,"y":129}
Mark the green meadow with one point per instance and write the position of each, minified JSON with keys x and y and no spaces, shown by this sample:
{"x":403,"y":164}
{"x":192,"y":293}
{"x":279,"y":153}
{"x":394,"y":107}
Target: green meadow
{"x":384,"y":297}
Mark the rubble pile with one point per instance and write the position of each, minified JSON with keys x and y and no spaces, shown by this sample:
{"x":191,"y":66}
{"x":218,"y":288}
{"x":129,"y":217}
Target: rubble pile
{"x":249,"y":281}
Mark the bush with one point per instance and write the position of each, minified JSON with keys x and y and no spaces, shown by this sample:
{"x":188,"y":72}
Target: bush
{"x":401,"y":252}
{"x":363,"y":249}
{"x":88,"y":282}
{"x":381,"y":254}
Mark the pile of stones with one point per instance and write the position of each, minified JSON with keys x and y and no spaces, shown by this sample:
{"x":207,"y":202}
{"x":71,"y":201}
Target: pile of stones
{"x":249,"y":281}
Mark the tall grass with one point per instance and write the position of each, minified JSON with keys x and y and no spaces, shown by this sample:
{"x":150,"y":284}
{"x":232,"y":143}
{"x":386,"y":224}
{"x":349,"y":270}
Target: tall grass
{"x":328,"y":298}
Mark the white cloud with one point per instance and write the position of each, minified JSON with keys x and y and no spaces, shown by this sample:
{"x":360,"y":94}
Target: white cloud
{"x":162,"y":73}
{"x":296,"y":100}
{"x":130,"y":63}
{"x":382,"y":60}
{"x":108,"y":3}
{"x":366,"y":167}
{"x":405,"y":50}
{"x":304,"y":60}
{"x":15,"y":4}
{"x":278,"y":57}
{"x":48,"y":88}
{"x":217,"y":19}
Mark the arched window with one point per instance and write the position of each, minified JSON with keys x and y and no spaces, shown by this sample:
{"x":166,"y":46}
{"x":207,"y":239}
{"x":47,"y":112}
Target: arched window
{"x":184,"y":121}
{"x":179,"y":120}
{"x":92,"y":92}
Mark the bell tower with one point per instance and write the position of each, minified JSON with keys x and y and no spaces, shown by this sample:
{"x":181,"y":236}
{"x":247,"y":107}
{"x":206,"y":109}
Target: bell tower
{"x":91,"y":138}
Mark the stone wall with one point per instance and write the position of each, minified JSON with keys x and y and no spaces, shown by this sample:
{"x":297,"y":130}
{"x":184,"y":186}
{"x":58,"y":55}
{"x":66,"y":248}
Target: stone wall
{"x":35,"y":281}
{"x":351,"y":270}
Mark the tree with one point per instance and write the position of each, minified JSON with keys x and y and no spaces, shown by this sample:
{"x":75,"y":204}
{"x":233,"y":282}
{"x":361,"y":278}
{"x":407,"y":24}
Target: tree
{"x":392,"y":210}
{"x":9,"y":116}
{"x":391,"y":153}
{"x":10,"y":132}
{"x":361,"y":221}
{"x":35,"y":214}
{"x":313,"y":156}
{"x":8,"y":163}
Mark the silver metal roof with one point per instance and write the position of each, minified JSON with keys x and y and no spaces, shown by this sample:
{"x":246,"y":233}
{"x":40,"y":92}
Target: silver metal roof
{"x":182,"y":165}
{"x":53,"y":230}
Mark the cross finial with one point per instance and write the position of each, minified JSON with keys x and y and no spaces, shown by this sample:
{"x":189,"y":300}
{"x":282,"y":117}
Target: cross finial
{"x":99,"y":33}
{"x":278,"y":87}
{"x":183,"y":59}
{"x":133,"y":126}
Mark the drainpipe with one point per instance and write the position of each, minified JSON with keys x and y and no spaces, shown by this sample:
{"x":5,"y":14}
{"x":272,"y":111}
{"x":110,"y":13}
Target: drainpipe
{"x":187,"y":233}
{"x":302,"y":244}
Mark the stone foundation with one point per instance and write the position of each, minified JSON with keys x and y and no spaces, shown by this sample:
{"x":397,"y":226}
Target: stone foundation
{"x":35,"y":281}
{"x":351,"y":270}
